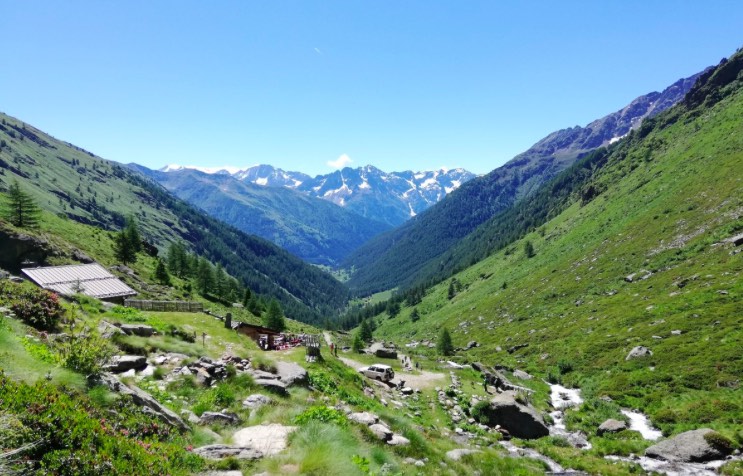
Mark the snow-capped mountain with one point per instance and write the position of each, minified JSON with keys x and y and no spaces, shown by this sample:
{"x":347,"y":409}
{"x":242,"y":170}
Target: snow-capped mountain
{"x":391,"y":198}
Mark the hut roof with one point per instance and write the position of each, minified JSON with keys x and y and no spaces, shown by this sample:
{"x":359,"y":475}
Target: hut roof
{"x":89,"y":279}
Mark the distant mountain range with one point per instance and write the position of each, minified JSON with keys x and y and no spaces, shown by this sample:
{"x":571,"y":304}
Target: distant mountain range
{"x":390,"y":198}
{"x":315,"y":230}
{"x":396,"y":258}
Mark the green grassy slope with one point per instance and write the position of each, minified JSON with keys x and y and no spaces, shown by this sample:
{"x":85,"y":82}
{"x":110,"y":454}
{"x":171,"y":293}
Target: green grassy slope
{"x":69,"y":181}
{"x":672,"y":197}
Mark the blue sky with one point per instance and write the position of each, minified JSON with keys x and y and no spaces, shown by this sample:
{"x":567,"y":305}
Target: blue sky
{"x":298,"y":84}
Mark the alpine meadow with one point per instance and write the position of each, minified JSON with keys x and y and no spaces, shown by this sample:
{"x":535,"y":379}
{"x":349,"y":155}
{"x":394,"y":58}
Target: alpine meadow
{"x":575,"y":310}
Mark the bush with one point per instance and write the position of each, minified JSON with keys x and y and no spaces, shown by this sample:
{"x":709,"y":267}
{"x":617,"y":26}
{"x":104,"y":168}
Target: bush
{"x":479,"y":412}
{"x":36,"y":307}
{"x":719,"y":442}
{"x":74,"y":437}
{"x":321,"y":414}
{"x":85,"y":353}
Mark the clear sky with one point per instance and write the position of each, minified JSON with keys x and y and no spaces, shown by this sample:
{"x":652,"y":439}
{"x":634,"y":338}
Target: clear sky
{"x":299,"y":84}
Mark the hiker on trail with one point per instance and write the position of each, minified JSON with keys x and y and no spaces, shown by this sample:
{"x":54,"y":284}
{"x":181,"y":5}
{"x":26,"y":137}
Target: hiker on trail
{"x":332,"y":346}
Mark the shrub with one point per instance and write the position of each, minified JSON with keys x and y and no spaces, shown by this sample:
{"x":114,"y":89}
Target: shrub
{"x":719,"y":442}
{"x":85,"y":352}
{"x":321,"y":414}
{"x":479,"y":412}
{"x":36,"y":307}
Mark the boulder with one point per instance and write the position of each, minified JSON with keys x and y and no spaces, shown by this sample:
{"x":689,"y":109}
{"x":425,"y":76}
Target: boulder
{"x":273,"y":385}
{"x":690,"y":446}
{"x":267,"y":439}
{"x":386,"y":353}
{"x":639,"y":351}
{"x":365,"y":418}
{"x":381,"y":431}
{"x":456,"y":455}
{"x":398,"y":440}
{"x":291,"y":373}
{"x":108,"y":330}
{"x":138,"y":330}
{"x":143,"y":399}
{"x":208,"y":418}
{"x":216,"y":452}
{"x":202,"y":376}
{"x":122,"y":363}
{"x":472,"y":344}
{"x":519,"y":420}
{"x":256,"y":401}
{"x":522,"y":375}
{"x":190,"y":416}
{"x":611,"y":426}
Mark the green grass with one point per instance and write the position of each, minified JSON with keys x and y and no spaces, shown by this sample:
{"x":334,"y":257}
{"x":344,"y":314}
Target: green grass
{"x":668,"y":203}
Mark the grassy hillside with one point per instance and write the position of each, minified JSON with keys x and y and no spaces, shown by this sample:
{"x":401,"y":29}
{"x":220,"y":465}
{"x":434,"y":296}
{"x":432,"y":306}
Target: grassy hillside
{"x":671,"y":197}
{"x":74,"y":183}
{"x":412,"y":253}
{"x":313,"y":229}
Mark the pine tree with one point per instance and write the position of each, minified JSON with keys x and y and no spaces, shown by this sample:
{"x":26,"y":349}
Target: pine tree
{"x":415,"y":315}
{"x":393,"y":309}
{"x":358,"y":343}
{"x":128,"y":242}
{"x":274,"y":318}
{"x":365,"y":331}
{"x":21,"y":210}
{"x":528,"y":249}
{"x":452,"y":290}
{"x":204,"y":277}
{"x":246,"y":297}
{"x":161,"y":273}
{"x":444,"y":345}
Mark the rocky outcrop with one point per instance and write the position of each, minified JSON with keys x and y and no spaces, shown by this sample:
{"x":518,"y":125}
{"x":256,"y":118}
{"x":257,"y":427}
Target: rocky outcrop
{"x":143,"y":399}
{"x":137,"y":330}
{"x":691,"y":446}
{"x":210,"y":418}
{"x":122,"y":363}
{"x":611,"y":426}
{"x":291,"y":373}
{"x":19,"y":247}
{"x":216,"y":452}
{"x":268,"y":439}
{"x":256,"y":401}
{"x":108,"y":330}
{"x":519,"y":420}
{"x":364,"y":418}
{"x":638,"y":352}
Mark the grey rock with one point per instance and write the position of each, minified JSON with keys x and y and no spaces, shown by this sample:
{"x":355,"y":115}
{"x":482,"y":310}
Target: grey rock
{"x":398,"y":440}
{"x":108,"y":330}
{"x":216,"y":452}
{"x":522,"y":375}
{"x":190,"y":416}
{"x":273,"y":385}
{"x":689,"y":447}
{"x":611,"y":426}
{"x":203,"y":377}
{"x":256,"y":401}
{"x":364,"y":418}
{"x":519,"y":420}
{"x":138,"y":330}
{"x":122,"y":363}
{"x":456,"y":455}
{"x":208,"y":418}
{"x":291,"y":373}
{"x":381,"y":431}
{"x":143,"y":399}
{"x":638,"y":352}
{"x":221,"y":473}
{"x":268,"y":439}
{"x":472,"y":344}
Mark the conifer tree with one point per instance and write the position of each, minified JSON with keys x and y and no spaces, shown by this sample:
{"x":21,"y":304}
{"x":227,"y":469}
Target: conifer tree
{"x":444,"y":345}
{"x":528,"y":249}
{"x":274,"y":318}
{"x":20,"y":208}
{"x":415,"y":315}
{"x":246,"y":297}
{"x":358,"y":343}
{"x":204,"y":277}
{"x":161,"y":273}
{"x":128,"y":242}
{"x":365,"y":331}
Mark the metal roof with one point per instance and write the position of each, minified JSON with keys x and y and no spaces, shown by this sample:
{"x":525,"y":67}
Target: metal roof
{"x":89,"y":279}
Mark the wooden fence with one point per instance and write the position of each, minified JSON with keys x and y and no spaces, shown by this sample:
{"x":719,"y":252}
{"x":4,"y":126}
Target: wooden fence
{"x":179,"y":306}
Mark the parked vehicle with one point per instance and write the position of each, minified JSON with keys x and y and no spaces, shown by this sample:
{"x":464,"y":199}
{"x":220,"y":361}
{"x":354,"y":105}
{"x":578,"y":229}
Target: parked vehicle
{"x":380,"y":372}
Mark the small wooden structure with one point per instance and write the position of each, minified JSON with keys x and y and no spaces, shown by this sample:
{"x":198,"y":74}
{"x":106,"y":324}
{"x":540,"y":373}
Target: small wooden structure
{"x":163,"y":306}
{"x":90,"y":279}
{"x":259,"y":334}
{"x":313,"y":343}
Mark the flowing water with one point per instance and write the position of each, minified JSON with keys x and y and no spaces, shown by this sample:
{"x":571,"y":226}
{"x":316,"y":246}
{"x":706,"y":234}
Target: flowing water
{"x":639,"y":422}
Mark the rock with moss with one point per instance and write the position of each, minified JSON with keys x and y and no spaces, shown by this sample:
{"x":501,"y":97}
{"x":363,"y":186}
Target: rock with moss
{"x":699,"y":445}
